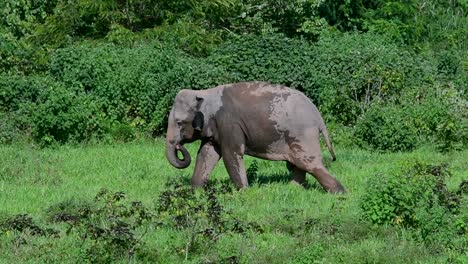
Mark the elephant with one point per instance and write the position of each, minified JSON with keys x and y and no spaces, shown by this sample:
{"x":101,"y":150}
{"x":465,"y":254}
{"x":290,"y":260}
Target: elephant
{"x":260,"y":119}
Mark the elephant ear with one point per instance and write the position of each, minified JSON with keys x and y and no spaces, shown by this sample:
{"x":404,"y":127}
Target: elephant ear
{"x":199,"y":119}
{"x":199,"y":102}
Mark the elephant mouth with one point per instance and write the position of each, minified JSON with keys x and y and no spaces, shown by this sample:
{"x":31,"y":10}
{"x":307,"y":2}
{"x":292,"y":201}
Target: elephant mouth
{"x":179,"y":152}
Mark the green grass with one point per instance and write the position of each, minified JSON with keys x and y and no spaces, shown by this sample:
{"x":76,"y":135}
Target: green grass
{"x":299,"y":225}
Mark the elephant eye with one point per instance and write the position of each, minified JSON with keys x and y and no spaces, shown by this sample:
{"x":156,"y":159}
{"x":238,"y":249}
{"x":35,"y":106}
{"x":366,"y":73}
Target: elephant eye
{"x":180,"y":123}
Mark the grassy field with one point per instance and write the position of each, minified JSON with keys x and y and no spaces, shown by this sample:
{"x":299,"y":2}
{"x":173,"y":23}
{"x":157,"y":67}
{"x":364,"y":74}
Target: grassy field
{"x":282,"y":223}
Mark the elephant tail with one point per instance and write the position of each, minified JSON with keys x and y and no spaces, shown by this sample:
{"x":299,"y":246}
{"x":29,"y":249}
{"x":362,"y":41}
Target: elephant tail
{"x":324,"y":132}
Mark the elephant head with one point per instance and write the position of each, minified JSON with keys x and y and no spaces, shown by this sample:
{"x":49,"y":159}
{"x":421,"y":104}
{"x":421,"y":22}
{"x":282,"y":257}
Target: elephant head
{"x":185,"y":125}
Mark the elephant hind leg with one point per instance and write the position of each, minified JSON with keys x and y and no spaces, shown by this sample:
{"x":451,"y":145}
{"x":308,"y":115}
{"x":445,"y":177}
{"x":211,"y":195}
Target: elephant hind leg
{"x":309,"y":158}
{"x":314,"y":166}
{"x":328,"y":182}
{"x":297,"y":175}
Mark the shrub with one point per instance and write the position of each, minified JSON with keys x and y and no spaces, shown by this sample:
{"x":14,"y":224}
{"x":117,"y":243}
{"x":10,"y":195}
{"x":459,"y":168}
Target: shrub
{"x":342,"y":73}
{"x":386,"y":128}
{"x":272,"y":58}
{"x":438,"y":113}
{"x":416,"y":198}
{"x":200,"y":211}
{"x":61,"y":115}
{"x":16,"y":93}
{"x":135,"y":85}
{"x":17,"y":89}
{"x":353,"y":71}
{"x":127,"y":81}
{"x":8,"y":129}
{"x":434,"y":114}
{"x":200,"y":214}
{"x":108,"y":227}
{"x":25,"y":223}
{"x":128,"y":89}
{"x":395,"y":199}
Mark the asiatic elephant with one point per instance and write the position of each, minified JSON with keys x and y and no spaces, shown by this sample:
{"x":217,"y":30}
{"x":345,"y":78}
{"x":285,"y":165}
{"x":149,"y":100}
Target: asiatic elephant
{"x":263,"y":120}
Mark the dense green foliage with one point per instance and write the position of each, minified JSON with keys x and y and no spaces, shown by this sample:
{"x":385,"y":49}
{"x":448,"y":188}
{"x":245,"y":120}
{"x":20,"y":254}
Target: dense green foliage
{"x":387,"y":75}
{"x":418,"y":198}
{"x":74,"y":71}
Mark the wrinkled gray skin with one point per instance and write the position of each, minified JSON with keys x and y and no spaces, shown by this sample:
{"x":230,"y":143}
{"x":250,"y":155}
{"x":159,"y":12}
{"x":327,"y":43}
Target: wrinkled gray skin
{"x":267,"y":121}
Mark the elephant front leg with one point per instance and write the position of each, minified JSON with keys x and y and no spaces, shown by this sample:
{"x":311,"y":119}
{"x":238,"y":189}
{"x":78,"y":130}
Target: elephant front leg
{"x":207,"y":157}
{"x":236,"y":168}
{"x":233,"y":148}
{"x":234,"y":163}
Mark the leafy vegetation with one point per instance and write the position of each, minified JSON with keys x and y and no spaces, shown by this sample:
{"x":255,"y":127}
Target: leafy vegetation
{"x":388,"y":76}
{"x":350,"y":57}
{"x":124,"y":203}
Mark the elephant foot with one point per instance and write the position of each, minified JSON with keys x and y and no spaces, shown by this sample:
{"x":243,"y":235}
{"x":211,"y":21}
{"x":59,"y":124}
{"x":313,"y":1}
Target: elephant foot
{"x":241,"y":186}
{"x":338,"y":189}
{"x":198,"y":184}
{"x":296,"y":183}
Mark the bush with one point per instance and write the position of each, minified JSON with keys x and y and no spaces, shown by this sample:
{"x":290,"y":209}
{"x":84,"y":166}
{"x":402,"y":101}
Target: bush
{"x":9,"y":131}
{"x":439,"y":115}
{"x":135,"y":85}
{"x":342,"y":73}
{"x":108,"y":227}
{"x":272,"y":58}
{"x":61,"y":115}
{"x":127,"y":81}
{"x":130,"y":88}
{"x":356,"y":70}
{"x":17,"y":89}
{"x":16,"y":92}
{"x":416,"y":198}
{"x":25,"y":223}
{"x":386,"y":128}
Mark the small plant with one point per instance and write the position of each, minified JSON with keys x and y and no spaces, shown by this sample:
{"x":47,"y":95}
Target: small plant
{"x":184,"y":207}
{"x":108,"y":228}
{"x":463,"y":188}
{"x":252,"y":170}
{"x":448,"y":134}
{"x":416,"y":198}
{"x":199,"y":213}
{"x":312,"y":254}
{"x":24,"y":223}
{"x":448,"y":63}
{"x":21,"y":231}
{"x":71,"y":212}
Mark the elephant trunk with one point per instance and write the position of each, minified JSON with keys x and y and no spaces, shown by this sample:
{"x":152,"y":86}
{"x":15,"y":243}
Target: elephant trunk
{"x":171,"y":155}
{"x":173,"y":146}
